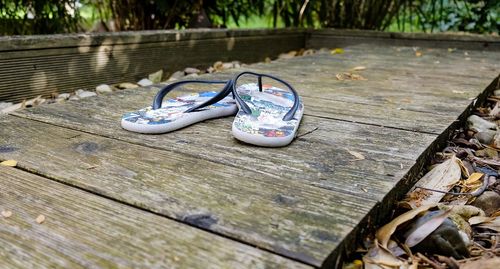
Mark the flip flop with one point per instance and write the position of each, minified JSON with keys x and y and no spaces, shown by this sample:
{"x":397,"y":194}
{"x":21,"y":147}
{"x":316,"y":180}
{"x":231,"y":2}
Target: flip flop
{"x":172,"y":114}
{"x":268,"y":116}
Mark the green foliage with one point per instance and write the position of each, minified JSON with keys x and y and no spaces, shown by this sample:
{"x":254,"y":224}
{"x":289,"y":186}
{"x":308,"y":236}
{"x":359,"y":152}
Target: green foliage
{"x":62,"y":16}
{"x":21,"y":17}
{"x":449,"y":15}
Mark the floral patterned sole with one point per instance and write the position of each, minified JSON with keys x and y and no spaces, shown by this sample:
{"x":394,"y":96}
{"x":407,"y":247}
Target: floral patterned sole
{"x":265,"y":126}
{"x":171,"y":116}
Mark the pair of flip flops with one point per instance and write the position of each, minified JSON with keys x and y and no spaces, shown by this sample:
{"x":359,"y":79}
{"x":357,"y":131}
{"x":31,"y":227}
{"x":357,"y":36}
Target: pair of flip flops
{"x":265,"y":115}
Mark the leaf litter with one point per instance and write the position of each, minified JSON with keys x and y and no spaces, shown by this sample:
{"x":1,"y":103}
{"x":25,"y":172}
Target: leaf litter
{"x":451,"y":217}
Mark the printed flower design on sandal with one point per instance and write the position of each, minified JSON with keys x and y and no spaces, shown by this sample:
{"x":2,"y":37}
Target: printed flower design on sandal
{"x":175,"y":113}
{"x":272,"y":115}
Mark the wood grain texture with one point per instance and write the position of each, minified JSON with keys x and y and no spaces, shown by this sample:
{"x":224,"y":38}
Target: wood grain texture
{"x":339,"y":38}
{"x":436,"y":82}
{"x":276,"y":213}
{"x":82,"y":230}
{"x":34,"y":42}
{"x":305,"y":201}
{"x":320,"y":158}
{"x":29,"y":73}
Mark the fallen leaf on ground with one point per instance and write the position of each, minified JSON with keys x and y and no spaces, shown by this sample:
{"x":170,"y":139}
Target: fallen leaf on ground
{"x":384,"y":233}
{"x":418,"y":53}
{"x":40,"y":219}
{"x":337,"y":51}
{"x":358,"y":68}
{"x":441,"y":178}
{"x":475,"y":177}
{"x":495,"y":111}
{"x":378,"y":257}
{"x":356,"y":154}
{"x":463,"y":168}
{"x":421,"y":232}
{"x":6,"y":213}
{"x":493,"y":224}
{"x":11,"y":163}
{"x":479,"y":219}
{"x":349,"y":76}
{"x":356,"y":77}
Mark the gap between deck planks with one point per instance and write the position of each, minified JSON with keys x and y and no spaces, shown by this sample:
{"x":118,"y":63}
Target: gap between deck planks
{"x":287,"y":178}
{"x":82,"y":230}
{"x":273,"y":212}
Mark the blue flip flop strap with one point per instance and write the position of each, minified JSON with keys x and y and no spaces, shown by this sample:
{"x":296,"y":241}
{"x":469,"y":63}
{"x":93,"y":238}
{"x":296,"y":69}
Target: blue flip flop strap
{"x":288,"y":116}
{"x":158,"y":100}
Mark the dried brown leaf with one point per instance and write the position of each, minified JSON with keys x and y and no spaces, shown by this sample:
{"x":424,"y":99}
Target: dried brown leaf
{"x":493,"y":224}
{"x":479,"y":219}
{"x":359,"y":68}
{"x":474,"y":178}
{"x":442,"y":178}
{"x":356,"y":154}
{"x":384,"y":233}
{"x":379,"y":257}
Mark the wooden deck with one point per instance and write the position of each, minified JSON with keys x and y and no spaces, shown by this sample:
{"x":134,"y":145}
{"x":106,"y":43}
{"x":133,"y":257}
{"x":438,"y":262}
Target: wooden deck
{"x":197,"y":198}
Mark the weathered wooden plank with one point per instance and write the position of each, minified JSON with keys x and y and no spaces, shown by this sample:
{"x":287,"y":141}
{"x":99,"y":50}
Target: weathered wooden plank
{"x":100,"y":233}
{"x":273,"y":212}
{"x":321,"y":157}
{"x":396,"y":78}
{"x":28,"y":73}
{"x":17,"y":43}
{"x":339,"y":38}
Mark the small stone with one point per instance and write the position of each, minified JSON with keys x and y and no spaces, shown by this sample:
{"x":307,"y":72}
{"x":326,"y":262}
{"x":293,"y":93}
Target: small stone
{"x":191,"y":70}
{"x":479,"y":124}
{"x":40,"y":219}
{"x":267,"y":60}
{"x":485,"y":136}
{"x":6,"y":213}
{"x":218,"y":65}
{"x":236,"y":64}
{"x":63,"y":96}
{"x":489,"y":201}
{"x":12,"y":107}
{"x":288,"y":55}
{"x":177,"y":75}
{"x":127,"y":85}
{"x":192,"y":75}
{"x":85,"y":94}
{"x":445,"y":240}
{"x":308,"y":52}
{"x":5,"y":105}
{"x":156,"y":76}
{"x":103,"y":88}
{"x":211,"y":69}
{"x":145,"y":82}
{"x":227,"y":65}
{"x":496,"y":93}
{"x":74,"y":98}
